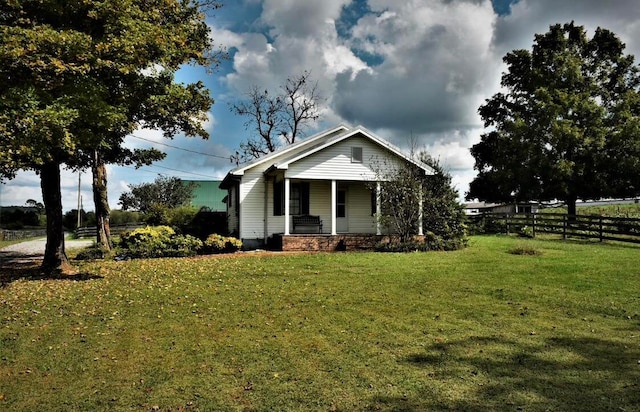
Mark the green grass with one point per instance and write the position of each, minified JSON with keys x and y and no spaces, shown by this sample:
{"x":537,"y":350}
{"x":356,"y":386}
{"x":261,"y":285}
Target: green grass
{"x":477,"y":329}
{"x":631,"y":210}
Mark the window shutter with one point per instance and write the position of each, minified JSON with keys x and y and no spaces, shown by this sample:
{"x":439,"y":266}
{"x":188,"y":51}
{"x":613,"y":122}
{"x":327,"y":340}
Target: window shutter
{"x":278,"y":198}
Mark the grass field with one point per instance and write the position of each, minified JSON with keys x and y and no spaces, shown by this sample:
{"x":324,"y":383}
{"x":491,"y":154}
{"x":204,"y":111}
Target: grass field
{"x":478,"y":329}
{"x":631,"y":210}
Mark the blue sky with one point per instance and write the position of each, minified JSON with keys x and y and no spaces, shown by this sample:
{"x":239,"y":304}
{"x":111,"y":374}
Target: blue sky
{"x":402,"y":69}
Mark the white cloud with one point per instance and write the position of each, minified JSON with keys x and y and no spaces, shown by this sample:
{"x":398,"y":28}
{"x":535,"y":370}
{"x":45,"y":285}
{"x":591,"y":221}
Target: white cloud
{"x":419,"y":67}
{"x":528,"y":17}
{"x":437,"y":66}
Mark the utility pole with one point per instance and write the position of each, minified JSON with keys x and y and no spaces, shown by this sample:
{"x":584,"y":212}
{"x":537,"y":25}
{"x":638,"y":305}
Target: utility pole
{"x":79,"y":198}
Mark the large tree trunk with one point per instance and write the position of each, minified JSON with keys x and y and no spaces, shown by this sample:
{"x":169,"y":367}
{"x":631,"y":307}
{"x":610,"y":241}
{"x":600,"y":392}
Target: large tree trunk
{"x":101,"y":201}
{"x":55,"y":257}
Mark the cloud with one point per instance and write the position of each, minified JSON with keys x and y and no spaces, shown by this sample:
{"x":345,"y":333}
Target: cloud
{"x":516,"y":31}
{"x":436,"y":66}
{"x":420,"y":67}
{"x":300,"y":19}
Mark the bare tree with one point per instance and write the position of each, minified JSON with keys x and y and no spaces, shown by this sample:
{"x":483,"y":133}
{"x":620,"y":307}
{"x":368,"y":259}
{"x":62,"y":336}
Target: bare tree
{"x":277,"y":119}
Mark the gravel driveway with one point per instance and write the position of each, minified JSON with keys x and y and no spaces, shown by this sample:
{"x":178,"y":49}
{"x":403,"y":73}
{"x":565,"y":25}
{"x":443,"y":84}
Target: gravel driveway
{"x":33,"y":250}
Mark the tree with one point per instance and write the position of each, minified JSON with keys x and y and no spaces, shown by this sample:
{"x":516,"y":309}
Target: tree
{"x":399,"y":193}
{"x":442,"y":213}
{"x":165,"y":192}
{"x":568,"y":125}
{"x":404,"y":188}
{"x":70,"y":81}
{"x":39,"y":207}
{"x":277,"y":118}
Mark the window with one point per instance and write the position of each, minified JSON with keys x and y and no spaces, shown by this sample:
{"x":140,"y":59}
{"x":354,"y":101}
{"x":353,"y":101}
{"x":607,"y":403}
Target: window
{"x":356,"y":155}
{"x":523,"y":209}
{"x":298,"y":198}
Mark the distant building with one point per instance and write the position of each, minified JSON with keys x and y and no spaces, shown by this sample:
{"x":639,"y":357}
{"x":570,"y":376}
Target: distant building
{"x":208,"y":194}
{"x":482,"y":207}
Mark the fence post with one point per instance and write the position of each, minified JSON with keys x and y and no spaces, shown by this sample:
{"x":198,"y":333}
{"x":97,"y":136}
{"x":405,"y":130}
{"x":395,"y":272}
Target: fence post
{"x":507,"y":222}
{"x":533,"y":225}
{"x":601,"y":234}
{"x":564,"y":226}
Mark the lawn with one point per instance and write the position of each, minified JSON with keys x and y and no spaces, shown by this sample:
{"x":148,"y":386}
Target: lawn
{"x":478,"y":329}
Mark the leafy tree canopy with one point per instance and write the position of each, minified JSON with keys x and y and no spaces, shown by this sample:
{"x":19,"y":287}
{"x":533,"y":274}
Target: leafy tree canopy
{"x":77,"y":76}
{"x":165,"y":192}
{"x":407,"y":194}
{"x":566,"y":126}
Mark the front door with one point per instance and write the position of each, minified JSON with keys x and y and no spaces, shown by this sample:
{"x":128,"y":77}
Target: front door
{"x":342,"y":222}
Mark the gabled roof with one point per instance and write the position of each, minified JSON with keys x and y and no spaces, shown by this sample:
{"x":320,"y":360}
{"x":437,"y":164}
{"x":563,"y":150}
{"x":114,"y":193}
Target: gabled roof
{"x":315,"y":144}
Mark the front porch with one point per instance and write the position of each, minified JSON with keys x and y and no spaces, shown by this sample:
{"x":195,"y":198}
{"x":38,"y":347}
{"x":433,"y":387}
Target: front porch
{"x":325,"y":242}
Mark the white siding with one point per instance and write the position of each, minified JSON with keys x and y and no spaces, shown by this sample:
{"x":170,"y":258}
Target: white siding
{"x":359,"y":209}
{"x":232,"y":217}
{"x":252,"y":205}
{"x":334,"y":162}
{"x":331,"y":163}
{"x":320,"y":202}
{"x":275,"y":223}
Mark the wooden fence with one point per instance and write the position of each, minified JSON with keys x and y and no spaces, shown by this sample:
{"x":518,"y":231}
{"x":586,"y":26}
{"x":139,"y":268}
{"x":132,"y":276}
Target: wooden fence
{"x":91,"y":231}
{"x":588,"y":227}
{"x":21,"y":234}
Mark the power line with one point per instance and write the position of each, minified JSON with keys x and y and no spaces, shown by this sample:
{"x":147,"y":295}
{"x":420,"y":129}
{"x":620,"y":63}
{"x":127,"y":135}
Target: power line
{"x":175,"y":170}
{"x":181,"y":148}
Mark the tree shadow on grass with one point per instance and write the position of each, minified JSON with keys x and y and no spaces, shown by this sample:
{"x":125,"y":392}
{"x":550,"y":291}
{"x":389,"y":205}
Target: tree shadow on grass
{"x":19,"y":266}
{"x":559,"y":374}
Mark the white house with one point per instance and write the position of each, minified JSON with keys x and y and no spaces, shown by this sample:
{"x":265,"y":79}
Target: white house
{"x":324,"y":185}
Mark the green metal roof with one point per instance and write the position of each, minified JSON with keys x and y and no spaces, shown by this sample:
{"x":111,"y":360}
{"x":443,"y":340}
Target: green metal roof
{"x":208,"y":193}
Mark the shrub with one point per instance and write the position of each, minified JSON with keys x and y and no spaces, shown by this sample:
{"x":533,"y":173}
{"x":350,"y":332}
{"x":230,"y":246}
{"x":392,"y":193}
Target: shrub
{"x":221,"y":244}
{"x":158,"y":241}
{"x":431,"y":242}
{"x":92,"y":253}
{"x":123,"y":217}
{"x":525,"y":231}
{"x":524,"y":249}
{"x":487,"y":225}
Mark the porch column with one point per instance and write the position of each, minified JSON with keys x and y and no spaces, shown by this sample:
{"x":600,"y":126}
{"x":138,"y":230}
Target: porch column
{"x":420,"y":231}
{"x":287,"y":187}
{"x":266,"y":209}
{"x":334,"y":199}
{"x":378,"y":209}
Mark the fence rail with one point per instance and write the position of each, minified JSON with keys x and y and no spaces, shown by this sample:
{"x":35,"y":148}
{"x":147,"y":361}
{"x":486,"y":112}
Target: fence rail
{"x":91,"y":231}
{"x":21,"y":234}
{"x":580,"y":226}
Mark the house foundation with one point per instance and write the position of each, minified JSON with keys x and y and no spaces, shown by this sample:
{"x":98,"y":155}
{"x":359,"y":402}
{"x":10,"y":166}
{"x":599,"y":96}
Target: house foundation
{"x":326,"y":243}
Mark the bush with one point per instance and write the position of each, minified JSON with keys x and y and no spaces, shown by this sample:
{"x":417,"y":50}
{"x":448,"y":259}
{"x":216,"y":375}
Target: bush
{"x":92,"y":253}
{"x":431,"y":242}
{"x":158,"y":241}
{"x":525,"y":231}
{"x":524,"y":249}
{"x":123,"y":217}
{"x":221,"y":244}
{"x":188,"y":220}
{"x":486,"y":225}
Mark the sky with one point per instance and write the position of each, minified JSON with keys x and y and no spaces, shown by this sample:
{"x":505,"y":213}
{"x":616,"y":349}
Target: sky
{"x":410,"y":71}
